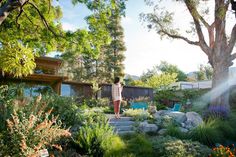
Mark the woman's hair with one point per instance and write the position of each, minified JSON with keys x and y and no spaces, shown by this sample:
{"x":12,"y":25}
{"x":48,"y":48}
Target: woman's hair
{"x":117,"y":79}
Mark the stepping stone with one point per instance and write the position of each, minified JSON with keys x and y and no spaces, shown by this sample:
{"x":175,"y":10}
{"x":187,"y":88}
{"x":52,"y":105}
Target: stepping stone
{"x":124,"y":128}
{"x":121,"y":123}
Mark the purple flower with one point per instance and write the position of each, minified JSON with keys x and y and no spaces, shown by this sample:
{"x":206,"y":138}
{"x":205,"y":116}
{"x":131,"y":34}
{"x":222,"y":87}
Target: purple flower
{"x":217,"y":111}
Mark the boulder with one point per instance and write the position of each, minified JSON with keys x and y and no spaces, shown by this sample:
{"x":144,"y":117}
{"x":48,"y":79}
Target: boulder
{"x":179,"y":117}
{"x":152,"y":109}
{"x":183,"y":130}
{"x":160,"y":113}
{"x":145,"y":127}
{"x":162,"y":131}
{"x":193,"y":119}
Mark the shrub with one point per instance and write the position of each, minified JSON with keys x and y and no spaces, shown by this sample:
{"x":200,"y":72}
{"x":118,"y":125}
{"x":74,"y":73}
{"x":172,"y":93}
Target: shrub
{"x":117,"y":147}
{"x":141,"y":99}
{"x":160,"y":106}
{"x":173,"y":147}
{"x":65,"y":107}
{"x":165,"y":121}
{"x":100,"y":102}
{"x":137,"y":114}
{"x":174,"y":131}
{"x":140,"y":146}
{"x":223,"y":151}
{"x":27,"y":135}
{"x":93,"y":139}
{"x":226,"y":129}
{"x":207,"y":133}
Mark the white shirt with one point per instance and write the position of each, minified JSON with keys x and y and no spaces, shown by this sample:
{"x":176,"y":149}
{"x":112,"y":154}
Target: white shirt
{"x":116,"y":92}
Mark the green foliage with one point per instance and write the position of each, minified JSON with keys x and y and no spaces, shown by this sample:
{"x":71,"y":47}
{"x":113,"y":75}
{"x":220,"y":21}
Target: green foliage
{"x":30,"y":129}
{"x":165,"y":121}
{"x":117,"y":148}
{"x":137,"y":114}
{"x":100,"y":102}
{"x":174,"y":131}
{"x":100,"y":49}
{"x":160,"y":106}
{"x":205,"y":73}
{"x":10,"y":99}
{"x":156,"y":81}
{"x":173,"y":147}
{"x":168,"y":68}
{"x":169,"y":95}
{"x":17,"y":59}
{"x":65,"y":107}
{"x":139,"y":145}
{"x":94,"y":138}
{"x":207,"y":133}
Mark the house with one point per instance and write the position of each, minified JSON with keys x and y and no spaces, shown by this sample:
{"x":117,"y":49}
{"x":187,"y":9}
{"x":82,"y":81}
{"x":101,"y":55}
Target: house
{"x":45,"y":74}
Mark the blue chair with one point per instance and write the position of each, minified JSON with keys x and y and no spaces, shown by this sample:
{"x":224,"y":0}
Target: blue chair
{"x":139,"y":105}
{"x":176,"y":107}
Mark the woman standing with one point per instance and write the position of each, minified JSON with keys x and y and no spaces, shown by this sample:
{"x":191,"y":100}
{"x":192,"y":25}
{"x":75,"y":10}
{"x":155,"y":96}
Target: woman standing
{"x":116,"y":96}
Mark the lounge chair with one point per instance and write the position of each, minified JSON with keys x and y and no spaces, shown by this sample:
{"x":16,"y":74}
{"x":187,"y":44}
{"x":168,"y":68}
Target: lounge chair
{"x":139,"y":105}
{"x":176,"y":107}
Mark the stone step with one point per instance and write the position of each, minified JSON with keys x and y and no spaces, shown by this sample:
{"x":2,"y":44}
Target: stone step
{"x":125,"y":132}
{"x":121,"y":123}
{"x":121,"y":119}
{"x":123,"y":128}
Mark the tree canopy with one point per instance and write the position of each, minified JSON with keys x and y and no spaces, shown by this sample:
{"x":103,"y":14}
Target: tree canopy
{"x":167,"y":68}
{"x":207,"y":21}
{"x":36,"y":26}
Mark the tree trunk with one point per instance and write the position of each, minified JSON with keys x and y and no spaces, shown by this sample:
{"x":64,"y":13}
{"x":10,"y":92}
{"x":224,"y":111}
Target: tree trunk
{"x":220,"y":86}
{"x":8,"y":7}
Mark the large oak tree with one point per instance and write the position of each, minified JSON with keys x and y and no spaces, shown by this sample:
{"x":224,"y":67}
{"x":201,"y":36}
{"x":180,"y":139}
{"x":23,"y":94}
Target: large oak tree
{"x":208,"y":22}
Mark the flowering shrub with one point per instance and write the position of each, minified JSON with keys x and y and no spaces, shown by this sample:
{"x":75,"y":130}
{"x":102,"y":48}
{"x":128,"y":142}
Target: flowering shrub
{"x":223,"y":151}
{"x":217,"y":111}
{"x":28,"y":135}
{"x":173,"y":147}
{"x":31,"y":129}
{"x":137,"y":114}
{"x":141,"y":99}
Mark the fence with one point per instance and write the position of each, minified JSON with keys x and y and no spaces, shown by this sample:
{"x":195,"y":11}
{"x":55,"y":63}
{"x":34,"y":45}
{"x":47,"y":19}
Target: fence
{"x":85,"y":90}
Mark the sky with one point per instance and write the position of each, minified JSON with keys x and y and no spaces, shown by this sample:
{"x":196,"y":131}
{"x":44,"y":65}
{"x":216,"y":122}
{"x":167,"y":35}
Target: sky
{"x":145,"y":49}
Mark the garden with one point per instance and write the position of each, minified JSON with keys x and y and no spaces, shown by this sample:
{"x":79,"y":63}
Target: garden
{"x":65,"y":127}
{"x":88,"y":43}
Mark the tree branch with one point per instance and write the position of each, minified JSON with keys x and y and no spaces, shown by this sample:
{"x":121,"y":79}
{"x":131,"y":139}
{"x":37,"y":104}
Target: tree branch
{"x":28,"y":17}
{"x":233,"y":56}
{"x":232,"y":40}
{"x":9,"y":6}
{"x":43,"y":19}
{"x":202,"y":43}
{"x":180,"y":37}
{"x":18,"y":16}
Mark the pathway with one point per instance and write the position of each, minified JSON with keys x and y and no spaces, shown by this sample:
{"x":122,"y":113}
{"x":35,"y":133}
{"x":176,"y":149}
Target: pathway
{"x":123,"y":125}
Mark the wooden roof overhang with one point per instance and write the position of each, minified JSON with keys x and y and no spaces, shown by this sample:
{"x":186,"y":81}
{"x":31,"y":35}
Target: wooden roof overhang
{"x":42,"y":78}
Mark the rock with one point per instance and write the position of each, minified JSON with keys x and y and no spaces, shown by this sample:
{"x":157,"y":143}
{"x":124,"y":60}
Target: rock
{"x":145,"y":127}
{"x":152,"y":109}
{"x":162,"y":131}
{"x":157,"y":116}
{"x":183,"y":125}
{"x":183,"y":130}
{"x":193,"y":119}
{"x":179,"y":117}
{"x":160,"y":113}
